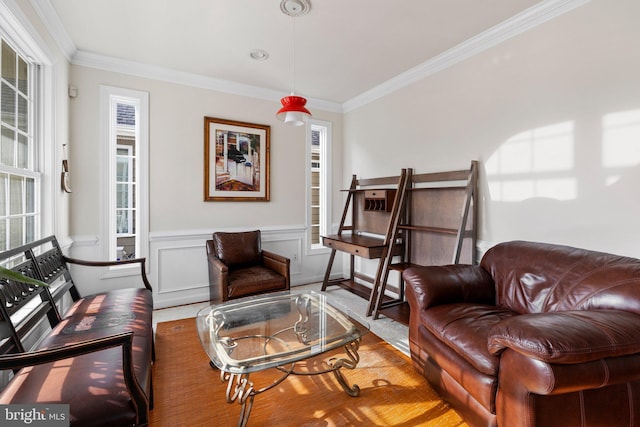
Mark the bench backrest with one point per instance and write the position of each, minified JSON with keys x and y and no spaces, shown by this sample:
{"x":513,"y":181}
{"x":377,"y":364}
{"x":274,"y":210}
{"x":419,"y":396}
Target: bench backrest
{"x":24,"y":307}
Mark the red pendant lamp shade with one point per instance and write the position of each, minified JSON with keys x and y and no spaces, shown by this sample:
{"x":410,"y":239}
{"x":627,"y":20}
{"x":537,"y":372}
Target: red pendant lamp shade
{"x":293,"y":111}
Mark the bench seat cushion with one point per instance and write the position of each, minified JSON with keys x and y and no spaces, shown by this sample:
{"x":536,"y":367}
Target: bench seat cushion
{"x":93,"y":384}
{"x":124,"y":300}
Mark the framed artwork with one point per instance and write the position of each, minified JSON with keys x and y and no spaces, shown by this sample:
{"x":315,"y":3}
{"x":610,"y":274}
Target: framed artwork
{"x":236,"y":160}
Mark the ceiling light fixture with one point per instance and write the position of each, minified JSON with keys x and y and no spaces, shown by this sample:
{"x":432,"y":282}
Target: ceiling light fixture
{"x":259,"y":54}
{"x":293,"y":111}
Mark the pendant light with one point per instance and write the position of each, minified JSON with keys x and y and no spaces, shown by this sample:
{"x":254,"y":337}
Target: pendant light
{"x":293,"y":111}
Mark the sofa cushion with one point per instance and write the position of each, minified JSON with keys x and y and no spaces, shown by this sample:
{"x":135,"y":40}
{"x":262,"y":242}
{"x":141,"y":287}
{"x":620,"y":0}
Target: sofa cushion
{"x":238,"y":249}
{"x":465,"y":329}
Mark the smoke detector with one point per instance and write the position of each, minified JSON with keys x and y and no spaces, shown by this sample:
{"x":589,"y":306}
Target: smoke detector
{"x":295,"y":8}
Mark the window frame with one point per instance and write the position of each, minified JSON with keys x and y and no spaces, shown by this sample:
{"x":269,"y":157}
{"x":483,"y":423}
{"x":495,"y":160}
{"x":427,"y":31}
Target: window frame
{"x":110,"y":96}
{"x":325,"y":183}
{"x":19,"y":33}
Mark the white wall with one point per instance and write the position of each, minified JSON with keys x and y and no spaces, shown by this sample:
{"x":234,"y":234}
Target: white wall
{"x":180,"y":221}
{"x":578,"y":70}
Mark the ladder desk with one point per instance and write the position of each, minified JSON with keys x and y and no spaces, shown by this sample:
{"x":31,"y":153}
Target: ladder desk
{"x":375,"y":206}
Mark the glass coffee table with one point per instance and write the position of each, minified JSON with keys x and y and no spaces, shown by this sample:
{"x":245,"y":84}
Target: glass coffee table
{"x":278,"y":331}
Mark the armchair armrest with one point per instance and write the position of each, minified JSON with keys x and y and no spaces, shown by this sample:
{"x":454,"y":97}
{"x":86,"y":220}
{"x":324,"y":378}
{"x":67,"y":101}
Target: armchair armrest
{"x":218,"y":275}
{"x":438,"y":285}
{"x":569,"y":337}
{"x":141,"y":261}
{"x":217,"y":264}
{"x":124,"y":340}
{"x":277,"y":263}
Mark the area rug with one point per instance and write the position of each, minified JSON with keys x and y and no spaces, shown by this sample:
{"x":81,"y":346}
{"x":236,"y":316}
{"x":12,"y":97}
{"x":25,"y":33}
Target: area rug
{"x":189,"y":393}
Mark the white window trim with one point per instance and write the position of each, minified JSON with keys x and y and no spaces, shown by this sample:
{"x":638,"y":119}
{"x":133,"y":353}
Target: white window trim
{"x":109,"y":96}
{"x":325,"y":179}
{"x":15,"y":26}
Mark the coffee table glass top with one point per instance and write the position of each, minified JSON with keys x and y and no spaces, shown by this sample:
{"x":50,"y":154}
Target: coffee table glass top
{"x":256,"y":333}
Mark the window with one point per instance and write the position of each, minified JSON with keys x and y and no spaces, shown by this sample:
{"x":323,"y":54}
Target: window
{"x":318,"y":179}
{"x":125,"y":203}
{"x":125,"y":183}
{"x":19,"y":175}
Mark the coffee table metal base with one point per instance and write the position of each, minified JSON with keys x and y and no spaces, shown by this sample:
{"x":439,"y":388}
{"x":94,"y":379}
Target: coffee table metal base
{"x":241,"y":389}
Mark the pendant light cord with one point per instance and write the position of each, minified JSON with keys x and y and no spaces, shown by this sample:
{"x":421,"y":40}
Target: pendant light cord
{"x":294,"y":55}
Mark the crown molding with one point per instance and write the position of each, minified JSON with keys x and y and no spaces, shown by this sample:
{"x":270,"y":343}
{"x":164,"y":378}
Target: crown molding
{"x":530,"y":18}
{"x":50,"y":18}
{"x":524,"y":21}
{"x":14,"y":23}
{"x":117,"y":65}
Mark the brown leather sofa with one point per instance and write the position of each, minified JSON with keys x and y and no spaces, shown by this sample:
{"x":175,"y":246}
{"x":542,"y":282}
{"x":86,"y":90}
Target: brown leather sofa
{"x":238,"y":267}
{"x":536,"y":335}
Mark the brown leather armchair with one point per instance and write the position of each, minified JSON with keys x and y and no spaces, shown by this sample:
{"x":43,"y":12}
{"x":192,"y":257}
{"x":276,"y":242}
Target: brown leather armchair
{"x":238,"y":267}
{"x":536,"y":335}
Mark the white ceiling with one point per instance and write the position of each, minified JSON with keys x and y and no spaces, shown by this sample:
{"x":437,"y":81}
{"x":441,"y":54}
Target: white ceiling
{"x":344,"y":48}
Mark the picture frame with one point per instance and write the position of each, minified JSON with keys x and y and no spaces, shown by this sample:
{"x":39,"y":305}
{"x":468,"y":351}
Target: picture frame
{"x":236,"y":160}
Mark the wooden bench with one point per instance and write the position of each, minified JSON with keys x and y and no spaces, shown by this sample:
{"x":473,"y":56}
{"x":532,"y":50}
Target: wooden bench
{"x":93,"y":353}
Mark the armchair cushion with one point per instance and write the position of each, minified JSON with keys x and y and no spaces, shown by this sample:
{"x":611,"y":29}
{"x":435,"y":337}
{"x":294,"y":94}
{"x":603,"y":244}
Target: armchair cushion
{"x":238,"y":249}
{"x":255,"y":279}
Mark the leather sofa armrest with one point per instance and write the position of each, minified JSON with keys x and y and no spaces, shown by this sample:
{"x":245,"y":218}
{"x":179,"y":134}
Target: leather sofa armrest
{"x":568,"y":337}
{"x":124,"y":340}
{"x":524,"y":376}
{"x":437,"y":285}
{"x":277,"y":263}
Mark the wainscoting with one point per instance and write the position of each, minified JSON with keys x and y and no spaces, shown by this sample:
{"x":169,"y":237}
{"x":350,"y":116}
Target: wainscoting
{"x":177,"y":262}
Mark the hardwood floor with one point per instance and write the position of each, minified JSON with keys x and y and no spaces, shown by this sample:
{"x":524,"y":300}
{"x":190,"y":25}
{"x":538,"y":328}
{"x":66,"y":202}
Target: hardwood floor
{"x":189,"y":393}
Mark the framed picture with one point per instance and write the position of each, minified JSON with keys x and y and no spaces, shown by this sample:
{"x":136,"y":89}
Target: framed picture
{"x":236,"y":160}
